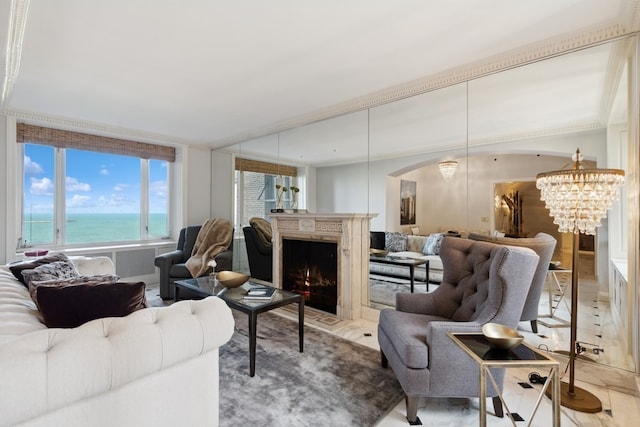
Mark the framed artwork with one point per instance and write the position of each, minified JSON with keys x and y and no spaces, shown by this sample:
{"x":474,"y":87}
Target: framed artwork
{"x":407,"y":202}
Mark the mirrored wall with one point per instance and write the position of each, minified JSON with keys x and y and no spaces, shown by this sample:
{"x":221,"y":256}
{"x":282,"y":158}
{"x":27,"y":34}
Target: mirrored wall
{"x":499,"y":128}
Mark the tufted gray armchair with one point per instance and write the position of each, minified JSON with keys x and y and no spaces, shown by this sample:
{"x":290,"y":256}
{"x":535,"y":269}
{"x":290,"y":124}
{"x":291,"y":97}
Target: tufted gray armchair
{"x":543,"y":244}
{"x":482,"y":282}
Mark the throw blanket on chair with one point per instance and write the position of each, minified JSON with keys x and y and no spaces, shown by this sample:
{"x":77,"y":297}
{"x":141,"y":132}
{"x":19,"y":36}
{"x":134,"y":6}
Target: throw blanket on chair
{"x":263,"y":229}
{"x":213,"y":238}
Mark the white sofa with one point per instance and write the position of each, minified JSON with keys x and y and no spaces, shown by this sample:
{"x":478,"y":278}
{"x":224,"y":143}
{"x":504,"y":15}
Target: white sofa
{"x":414,"y":250}
{"x":155,"y":367}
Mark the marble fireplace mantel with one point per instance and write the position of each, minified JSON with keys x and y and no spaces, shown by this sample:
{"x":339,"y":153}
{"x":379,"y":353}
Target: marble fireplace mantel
{"x":350,"y":231}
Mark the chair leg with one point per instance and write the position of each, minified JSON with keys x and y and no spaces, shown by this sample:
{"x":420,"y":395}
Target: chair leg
{"x":383,"y":360}
{"x":412,"y":410}
{"x":534,"y":326}
{"x":497,"y":406}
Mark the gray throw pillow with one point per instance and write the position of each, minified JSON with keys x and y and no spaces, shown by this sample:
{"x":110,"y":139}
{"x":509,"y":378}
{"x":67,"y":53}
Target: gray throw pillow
{"x":395,"y":242}
{"x":432,"y":244}
{"x":56,"y":270}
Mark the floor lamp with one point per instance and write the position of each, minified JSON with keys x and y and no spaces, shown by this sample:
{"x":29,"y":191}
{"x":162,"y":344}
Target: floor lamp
{"x":577,"y":200}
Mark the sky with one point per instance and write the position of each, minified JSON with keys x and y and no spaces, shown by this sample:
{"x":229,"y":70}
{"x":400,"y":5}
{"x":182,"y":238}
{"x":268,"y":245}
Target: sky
{"x":95,"y":182}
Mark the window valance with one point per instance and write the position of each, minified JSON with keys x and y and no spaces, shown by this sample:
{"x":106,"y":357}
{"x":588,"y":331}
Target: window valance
{"x":265,"y":167}
{"x":83,"y":141}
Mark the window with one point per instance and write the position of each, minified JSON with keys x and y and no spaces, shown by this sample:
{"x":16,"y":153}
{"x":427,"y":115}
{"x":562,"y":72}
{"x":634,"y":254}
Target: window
{"x":255,"y":189}
{"x":74,"y":196}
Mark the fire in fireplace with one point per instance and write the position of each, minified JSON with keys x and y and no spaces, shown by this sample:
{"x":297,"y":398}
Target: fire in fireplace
{"x":310,"y":268}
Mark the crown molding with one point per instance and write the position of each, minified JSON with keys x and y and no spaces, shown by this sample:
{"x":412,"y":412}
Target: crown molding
{"x":515,"y":58}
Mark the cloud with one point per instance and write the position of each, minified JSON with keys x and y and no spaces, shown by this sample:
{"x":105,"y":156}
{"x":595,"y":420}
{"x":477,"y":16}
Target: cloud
{"x":120,"y":187}
{"x":31,"y":167}
{"x":103,"y":170}
{"x":77,"y":201}
{"x":115,"y":200}
{"x":42,"y":187}
{"x":74,"y":185}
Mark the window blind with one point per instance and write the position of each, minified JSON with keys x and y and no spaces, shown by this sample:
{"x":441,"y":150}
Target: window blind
{"x":265,"y":167}
{"x":82,"y":141}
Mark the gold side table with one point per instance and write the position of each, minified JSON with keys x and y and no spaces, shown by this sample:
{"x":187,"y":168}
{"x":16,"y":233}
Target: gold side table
{"x":523,"y":355}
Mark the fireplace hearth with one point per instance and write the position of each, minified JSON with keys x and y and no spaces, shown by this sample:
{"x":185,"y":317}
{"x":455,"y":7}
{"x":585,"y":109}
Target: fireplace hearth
{"x":348,"y":235}
{"x":310,"y":268}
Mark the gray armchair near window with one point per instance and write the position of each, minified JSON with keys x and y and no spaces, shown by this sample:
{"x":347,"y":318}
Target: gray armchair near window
{"x":482,"y":282}
{"x":172,"y":264}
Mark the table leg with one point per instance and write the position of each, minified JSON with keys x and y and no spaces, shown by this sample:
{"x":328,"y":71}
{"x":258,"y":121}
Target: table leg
{"x":176,"y":293}
{"x":555,"y":402}
{"x":483,"y":398}
{"x":412,"y":271}
{"x":253,"y":323}
{"x":301,"y":323}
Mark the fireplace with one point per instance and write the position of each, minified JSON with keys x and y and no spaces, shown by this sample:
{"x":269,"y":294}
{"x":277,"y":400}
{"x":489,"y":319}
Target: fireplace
{"x":348,"y":236}
{"x":310,"y":268}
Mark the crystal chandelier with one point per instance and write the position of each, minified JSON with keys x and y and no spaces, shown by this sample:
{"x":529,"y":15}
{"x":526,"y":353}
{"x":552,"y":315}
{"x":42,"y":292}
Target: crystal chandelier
{"x":448,"y":169}
{"x":579,"y":198}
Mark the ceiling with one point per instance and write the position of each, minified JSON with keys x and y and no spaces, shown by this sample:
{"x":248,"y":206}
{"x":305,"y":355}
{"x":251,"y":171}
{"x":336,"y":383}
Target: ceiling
{"x":214,"y":73}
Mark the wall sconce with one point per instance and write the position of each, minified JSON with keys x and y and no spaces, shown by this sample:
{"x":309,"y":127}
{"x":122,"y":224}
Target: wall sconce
{"x":448,"y":169}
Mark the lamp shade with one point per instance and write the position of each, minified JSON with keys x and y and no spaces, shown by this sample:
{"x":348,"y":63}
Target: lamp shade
{"x":579,"y":198}
{"x":448,"y":169}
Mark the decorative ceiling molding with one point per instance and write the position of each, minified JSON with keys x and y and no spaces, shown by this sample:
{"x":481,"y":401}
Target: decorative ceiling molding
{"x":516,"y":58}
{"x":17,"y":24}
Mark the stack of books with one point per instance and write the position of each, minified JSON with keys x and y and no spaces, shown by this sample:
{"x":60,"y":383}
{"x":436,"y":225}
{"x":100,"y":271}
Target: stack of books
{"x":260,"y":293}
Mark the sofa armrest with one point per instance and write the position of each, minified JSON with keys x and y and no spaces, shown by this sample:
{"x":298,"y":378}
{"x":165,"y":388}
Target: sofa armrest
{"x":167,"y":259}
{"x":449,"y":364}
{"x":88,"y":266}
{"x":224,"y":261}
{"x":53,"y":368}
{"x":415,"y":303}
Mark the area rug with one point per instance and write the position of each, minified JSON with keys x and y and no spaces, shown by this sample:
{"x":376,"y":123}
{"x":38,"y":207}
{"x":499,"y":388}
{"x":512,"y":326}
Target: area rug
{"x":334,"y":382}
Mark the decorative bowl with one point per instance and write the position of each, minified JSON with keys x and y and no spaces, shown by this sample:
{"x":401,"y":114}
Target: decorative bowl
{"x":500,"y":336}
{"x":378,"y":252}
{"x":231,"y":279}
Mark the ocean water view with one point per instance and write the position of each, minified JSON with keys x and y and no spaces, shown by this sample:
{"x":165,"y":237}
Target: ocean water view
{"x":38,"y":229}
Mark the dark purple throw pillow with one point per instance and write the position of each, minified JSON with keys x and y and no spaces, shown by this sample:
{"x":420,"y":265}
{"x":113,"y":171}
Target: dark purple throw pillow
{"x":72,"y":305}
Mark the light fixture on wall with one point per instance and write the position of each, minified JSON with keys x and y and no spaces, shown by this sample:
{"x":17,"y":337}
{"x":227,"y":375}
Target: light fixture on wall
{"x":448,"y":169}
{"x":577,"y":200}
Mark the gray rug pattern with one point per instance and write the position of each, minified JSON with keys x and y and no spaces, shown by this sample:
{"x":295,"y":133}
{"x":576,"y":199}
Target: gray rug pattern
{"x":334,"y":382}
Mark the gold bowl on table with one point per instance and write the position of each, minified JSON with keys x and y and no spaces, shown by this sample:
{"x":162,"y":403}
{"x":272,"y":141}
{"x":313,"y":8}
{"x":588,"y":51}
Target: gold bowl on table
{"x":231,"y":279}
{"x":378,"y":252}
{"x":500,"y":336}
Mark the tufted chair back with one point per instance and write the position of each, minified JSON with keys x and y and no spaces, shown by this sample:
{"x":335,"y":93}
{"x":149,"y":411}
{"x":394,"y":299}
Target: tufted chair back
{"x":542,"y":244}
{"x":472,"y":287}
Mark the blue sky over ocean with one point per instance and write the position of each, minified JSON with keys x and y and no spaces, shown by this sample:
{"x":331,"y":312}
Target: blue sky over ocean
{"x":95,"y":182}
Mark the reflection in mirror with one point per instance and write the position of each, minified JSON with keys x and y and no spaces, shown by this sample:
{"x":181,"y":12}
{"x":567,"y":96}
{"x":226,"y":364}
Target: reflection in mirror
{"x":504,"y":127}
{"x":408,"y":137}
{"x":530,"y":120}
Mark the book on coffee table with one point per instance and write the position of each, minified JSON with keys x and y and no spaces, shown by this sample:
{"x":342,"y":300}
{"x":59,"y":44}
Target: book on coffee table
{"x":260,"y":293}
